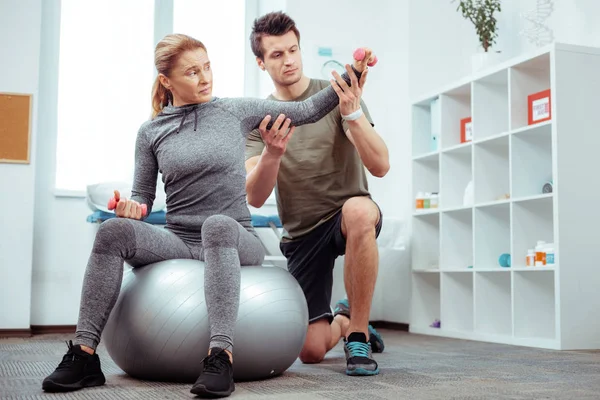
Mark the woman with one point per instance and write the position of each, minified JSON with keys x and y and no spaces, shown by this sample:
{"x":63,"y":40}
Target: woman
{"x":197,"y":142}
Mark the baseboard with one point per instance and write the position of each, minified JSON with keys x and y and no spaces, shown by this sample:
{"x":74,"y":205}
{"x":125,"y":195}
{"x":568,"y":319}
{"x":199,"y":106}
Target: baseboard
{"x":59,"y":329}
{"x":394,"y":326}
{"x":47,"y":329}
{"x":15,"y":333}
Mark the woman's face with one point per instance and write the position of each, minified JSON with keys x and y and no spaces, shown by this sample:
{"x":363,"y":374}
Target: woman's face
{"x":190,"y":81}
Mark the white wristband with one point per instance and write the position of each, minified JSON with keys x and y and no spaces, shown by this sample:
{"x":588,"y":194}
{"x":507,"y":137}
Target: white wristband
{"x":353,"y":116}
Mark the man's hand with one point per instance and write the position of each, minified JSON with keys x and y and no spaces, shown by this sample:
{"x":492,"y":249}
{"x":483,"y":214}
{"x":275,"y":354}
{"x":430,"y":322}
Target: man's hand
{"x":349,"y":96}
{"x":276,"y":138}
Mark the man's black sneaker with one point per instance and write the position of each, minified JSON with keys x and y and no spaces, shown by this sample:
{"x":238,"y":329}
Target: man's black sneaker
{"x":375,"y":340}
{"x":77,"y":370}
{"x":216,"y":378}
{"x":359,"y":358}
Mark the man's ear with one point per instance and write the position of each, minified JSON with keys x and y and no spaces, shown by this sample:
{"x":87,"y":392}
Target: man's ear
{"x":164,"y":81}
{"x":261,"y":63}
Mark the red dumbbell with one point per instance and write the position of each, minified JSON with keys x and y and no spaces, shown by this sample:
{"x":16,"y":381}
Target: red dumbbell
{"x":112,"y":204}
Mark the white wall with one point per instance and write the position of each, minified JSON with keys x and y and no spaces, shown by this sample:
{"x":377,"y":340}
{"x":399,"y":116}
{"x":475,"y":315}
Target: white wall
{"x":63,"y":239}
{"x":20,"y":44}
{"x":442,"y":42}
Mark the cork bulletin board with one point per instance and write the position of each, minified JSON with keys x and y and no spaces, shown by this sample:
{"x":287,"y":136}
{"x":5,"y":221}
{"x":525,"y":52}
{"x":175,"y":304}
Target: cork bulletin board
{"x":15,"y":127}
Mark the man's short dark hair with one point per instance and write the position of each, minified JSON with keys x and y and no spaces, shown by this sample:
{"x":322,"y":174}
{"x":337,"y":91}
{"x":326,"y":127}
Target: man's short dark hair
{"x":275,"y":23}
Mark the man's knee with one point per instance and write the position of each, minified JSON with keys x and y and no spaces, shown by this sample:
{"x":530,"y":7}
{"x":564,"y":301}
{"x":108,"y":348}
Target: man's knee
{"x":313,"y":352}
{"x":315,"y":345}
{"x":360,"y":215}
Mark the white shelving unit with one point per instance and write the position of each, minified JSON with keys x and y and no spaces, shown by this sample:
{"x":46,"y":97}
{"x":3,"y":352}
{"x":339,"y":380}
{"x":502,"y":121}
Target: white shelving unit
{"x":457,"y":277}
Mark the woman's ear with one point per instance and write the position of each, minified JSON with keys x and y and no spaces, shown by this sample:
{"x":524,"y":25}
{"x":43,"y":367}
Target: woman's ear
{"x":164,"y":81}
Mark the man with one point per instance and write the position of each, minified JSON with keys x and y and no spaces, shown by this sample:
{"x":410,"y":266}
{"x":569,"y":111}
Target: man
{"x":322,"y":196}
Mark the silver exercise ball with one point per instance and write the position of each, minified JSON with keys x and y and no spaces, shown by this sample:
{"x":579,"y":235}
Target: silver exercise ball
{"x":159,"y":330}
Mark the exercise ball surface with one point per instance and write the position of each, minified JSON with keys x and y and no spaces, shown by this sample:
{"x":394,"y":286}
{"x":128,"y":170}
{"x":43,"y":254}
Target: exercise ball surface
{"x":159,"y":328}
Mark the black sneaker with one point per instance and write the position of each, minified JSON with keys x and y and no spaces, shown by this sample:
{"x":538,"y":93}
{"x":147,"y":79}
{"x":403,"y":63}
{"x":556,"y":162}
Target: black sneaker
{"x":375,"y":340}
{"x":216,"y":378}
{"x":77,"y":370}
{"x":359,"y":359}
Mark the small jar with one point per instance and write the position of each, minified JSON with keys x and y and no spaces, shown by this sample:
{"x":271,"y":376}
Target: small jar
{"x":433,"y":202}
{"x":530,"y":258}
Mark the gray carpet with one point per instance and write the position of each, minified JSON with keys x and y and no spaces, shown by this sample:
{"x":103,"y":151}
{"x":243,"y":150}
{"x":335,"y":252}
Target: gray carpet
{"x":412,"y":367}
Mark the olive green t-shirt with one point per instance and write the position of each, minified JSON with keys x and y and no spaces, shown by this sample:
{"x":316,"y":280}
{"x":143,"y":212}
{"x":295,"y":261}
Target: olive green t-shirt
{"x":319,"y":171}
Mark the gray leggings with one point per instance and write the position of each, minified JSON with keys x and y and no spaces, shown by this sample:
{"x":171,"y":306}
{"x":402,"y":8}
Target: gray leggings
{"x":226,"y":246}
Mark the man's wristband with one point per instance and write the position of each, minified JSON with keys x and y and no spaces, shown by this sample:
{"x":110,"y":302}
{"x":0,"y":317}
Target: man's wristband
{"x":353,"y":116}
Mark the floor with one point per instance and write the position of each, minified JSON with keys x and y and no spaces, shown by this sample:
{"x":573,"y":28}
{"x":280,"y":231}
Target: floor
{"x":412,"y":367}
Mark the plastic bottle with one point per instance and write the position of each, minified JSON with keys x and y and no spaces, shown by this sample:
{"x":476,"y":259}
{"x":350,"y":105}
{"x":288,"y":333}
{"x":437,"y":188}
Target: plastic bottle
{"x":427,"y":200}
{"x":420,"y":198}
{"x":434,"y":200}
{"x":540,"y":254}
{"x":550,"y":256}
{"x":530,"y":258}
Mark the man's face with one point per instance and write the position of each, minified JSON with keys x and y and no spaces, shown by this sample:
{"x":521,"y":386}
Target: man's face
{"x":282,"y":58}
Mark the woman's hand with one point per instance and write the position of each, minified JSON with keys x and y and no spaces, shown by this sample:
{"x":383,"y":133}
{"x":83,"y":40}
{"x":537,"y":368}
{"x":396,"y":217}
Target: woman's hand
{"x":126,"y":208}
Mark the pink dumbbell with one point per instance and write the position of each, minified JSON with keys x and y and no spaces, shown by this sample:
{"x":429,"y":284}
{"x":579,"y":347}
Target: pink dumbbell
{"x":359,"y":55}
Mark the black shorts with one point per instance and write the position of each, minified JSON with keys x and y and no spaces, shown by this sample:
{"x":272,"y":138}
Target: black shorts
{"x":311,"y":258}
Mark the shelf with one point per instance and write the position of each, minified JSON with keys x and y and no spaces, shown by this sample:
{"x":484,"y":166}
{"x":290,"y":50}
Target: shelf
{"x":457,"y":301}
{"x":529,"y":77}
{"x":427,"y":156}
{"x":422,"y":140}
{"x":426,"y":304}
{"x":456,"y":173}
{"x":455,"y":105}
{"x":499,"y":195}
{"x":491,"y":170}
{"x":425,"y":211}
{"x":531,"y":161}
{"x":533,"y":198}
{"x":493,"y":305}
{"x":490,"y":105}
{"x":457,"y":240}
{"x":492,"y":235}
{"x":426,"y":242}
{"x":532,"y":221}
{"x":534,"y":305}
{"x":426,"y":175}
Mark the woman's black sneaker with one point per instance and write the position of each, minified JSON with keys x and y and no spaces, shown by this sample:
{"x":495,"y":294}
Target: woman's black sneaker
{"x":216,"y":378}
{"x":77,"y":370}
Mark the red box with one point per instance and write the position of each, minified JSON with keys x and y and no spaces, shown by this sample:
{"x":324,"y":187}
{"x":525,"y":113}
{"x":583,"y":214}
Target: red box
{"x":466,"y":130}
{"x":539,"y":107}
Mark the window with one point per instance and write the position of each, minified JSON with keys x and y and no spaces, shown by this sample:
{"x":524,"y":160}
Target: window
{"x":220,"y":25}
{"x":106,"y":71}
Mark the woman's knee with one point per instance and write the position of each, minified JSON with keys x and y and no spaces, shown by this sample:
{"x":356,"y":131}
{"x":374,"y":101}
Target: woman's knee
{"x":115,"y":234}
{"x":220,"y":231}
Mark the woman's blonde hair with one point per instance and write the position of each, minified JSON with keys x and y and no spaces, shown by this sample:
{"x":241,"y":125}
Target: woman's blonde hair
{"x":166,"y":55}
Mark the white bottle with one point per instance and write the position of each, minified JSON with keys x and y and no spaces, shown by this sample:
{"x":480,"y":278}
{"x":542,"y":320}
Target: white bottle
{"x":530,"y":258}
{"x":433,"y":202}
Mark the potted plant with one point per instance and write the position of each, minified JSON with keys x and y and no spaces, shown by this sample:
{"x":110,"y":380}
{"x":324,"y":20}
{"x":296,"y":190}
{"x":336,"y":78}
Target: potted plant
{"x":481,"y":14}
